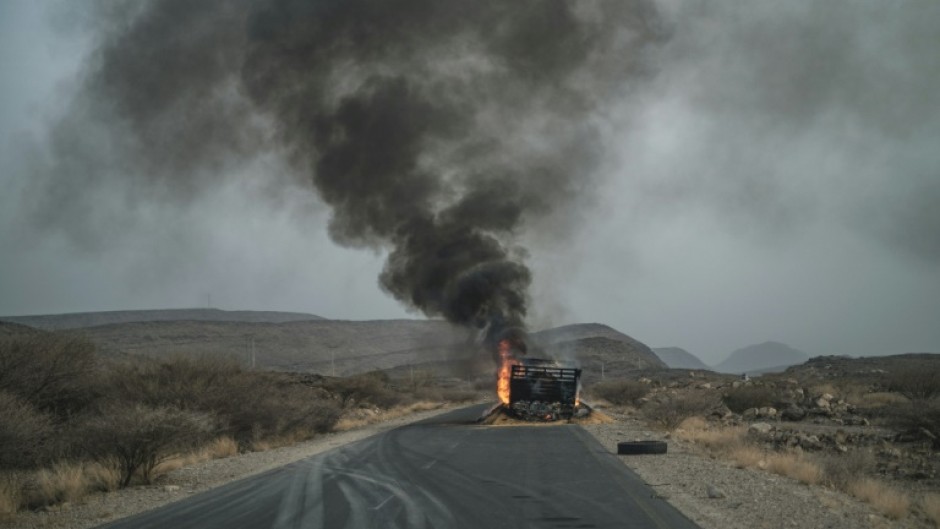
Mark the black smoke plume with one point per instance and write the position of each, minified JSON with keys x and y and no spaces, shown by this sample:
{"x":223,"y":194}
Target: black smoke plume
{"x":439,"y":131}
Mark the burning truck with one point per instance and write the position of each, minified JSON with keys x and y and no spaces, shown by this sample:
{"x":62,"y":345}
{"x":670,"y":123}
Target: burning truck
{"x":535,"y":389}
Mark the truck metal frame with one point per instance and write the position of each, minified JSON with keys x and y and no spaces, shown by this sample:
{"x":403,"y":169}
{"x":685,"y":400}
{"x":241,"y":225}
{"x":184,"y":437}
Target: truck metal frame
{"x":541,"y":390}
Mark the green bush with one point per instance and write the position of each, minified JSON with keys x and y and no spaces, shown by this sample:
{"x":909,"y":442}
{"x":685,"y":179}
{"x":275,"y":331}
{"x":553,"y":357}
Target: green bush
{"x":620,"y":391}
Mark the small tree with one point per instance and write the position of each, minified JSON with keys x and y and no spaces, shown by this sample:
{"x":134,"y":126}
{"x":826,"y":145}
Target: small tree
{"x":919,"y":385}
{"x":139,"y":437}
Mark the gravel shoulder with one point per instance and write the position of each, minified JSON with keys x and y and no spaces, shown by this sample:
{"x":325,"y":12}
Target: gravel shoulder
{"x":717,"y":495}
{"x":101,"y":508}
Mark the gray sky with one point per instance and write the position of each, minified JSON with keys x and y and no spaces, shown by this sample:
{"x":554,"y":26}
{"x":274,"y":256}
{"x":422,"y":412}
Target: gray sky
{"x":776,"y":178}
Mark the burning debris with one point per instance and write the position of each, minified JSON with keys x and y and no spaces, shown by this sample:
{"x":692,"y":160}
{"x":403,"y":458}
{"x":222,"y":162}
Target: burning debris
{"x":535,"y":389}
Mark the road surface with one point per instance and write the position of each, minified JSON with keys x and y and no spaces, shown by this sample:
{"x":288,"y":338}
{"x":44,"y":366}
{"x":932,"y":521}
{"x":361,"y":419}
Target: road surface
{"x":440,"y":473}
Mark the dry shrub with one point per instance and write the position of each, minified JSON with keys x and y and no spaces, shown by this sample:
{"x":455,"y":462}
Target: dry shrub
{"x":249,"y":405}
{"x":139,"y":437}
{"x":671,"y":411}
{"x":366,"y":388}
{"x":10,"y":494}
{"x":222,"y":447}
{"x":794,"y":466}
{"x":717,"y":439}
{"x":747,"y":397}
{"x":747,"y":456}
{"x":918,"y":384}
{"x":24,"y":432}
{"x":62,"y":482}
{"x":841,"y":470}
{"x":53,"y":372}
{"x":921,"y":420}
{"x":931,"y":505}
{"x":892,"y":503}
{"x":620,"y":391}
{"x":103,"y":476}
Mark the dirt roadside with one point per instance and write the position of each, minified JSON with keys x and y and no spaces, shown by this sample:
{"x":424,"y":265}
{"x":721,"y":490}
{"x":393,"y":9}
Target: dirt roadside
{"x":717,"y":495}
{"x":101,"y":508}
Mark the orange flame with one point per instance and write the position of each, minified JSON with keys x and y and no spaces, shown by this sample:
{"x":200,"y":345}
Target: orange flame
{"x":506,"y":361}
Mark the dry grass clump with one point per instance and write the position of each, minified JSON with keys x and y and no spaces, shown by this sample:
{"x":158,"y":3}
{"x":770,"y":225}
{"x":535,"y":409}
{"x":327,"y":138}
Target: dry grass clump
{"x":10,"y":494}
{"x":892,"y":503}
{"x":878,"y":399}
{"x":796,"y":466}
{"x":746,"y":455}
{"x":72,"y":481}
{"x":717,"y":439}
{"x":103,"y":476}
{"x":930,"y":503}
{"x":842,"y":470}
{"x":61,"y":482}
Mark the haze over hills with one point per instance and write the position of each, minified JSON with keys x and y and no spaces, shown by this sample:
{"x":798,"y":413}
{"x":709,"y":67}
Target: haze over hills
{"x":762,"y":358}
{"x":335,"y":346}
{"x":77,"y":320}
{"x":679,"y":358}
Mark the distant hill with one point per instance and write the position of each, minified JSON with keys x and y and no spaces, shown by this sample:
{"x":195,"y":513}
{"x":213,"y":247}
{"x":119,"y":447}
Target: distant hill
{"x":320,"y":346}
{"x":762,"y":358}
{"x":598,"y":348}
{"x":678,"y":358}
{"x":311,"y":344}
{"x":8,"y":329}
{"x":53,"y":322}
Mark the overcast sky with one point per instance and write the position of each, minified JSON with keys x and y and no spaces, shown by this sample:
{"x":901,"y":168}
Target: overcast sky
{"x":777,"y":177}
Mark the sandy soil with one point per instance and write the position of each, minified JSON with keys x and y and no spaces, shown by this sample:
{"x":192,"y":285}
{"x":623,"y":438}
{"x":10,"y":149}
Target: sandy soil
{"x":740,"y":498}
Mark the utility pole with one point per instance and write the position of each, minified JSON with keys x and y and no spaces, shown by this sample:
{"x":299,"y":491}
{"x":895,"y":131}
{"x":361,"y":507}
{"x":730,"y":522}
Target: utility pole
{"x":333,"y":362}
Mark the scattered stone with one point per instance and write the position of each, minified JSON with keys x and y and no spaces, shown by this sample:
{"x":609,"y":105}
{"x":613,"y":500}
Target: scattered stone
{"x":171,"y":488}
{"x":760,"y":428}
{"x":714,"y":492}
{"x":767,"y":412}
{"x":793,"y":413}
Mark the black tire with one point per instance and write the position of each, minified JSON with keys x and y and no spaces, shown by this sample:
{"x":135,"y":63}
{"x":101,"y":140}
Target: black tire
{"x":641,"y":447}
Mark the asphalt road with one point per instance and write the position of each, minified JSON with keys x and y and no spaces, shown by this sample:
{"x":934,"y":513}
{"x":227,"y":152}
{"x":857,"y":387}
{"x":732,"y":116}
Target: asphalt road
{"x":440,"y":473}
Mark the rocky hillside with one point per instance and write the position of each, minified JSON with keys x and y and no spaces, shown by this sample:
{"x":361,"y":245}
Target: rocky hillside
{"x":599,"y":349}
{"x":762,"y":358}
{"x":679,"y":358}
{"x":90,"y":319}
{"x":323,"y":346}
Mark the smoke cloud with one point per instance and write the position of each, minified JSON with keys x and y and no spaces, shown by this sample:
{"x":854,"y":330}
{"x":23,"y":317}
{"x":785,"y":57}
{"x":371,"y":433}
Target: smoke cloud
{"x":435,"y":131}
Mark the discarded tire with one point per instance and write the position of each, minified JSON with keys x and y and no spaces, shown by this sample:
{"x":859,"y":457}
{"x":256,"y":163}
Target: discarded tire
{"x":641,"y":447}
